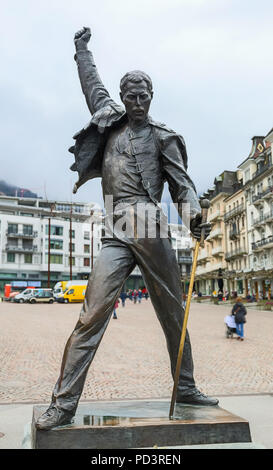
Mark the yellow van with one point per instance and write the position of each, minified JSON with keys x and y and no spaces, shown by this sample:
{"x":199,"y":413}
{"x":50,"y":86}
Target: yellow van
{"x":75,"y":293}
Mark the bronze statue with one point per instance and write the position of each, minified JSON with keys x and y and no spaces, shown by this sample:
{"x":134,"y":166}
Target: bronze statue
{"x":134,"y":156}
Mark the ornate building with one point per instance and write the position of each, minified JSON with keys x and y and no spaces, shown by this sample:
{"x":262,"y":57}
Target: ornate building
{"x":212,"y":265}
{"x":257,"y":172}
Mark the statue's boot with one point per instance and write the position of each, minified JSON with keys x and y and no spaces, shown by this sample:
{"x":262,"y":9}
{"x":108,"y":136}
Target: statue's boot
{"x":52,"y":418}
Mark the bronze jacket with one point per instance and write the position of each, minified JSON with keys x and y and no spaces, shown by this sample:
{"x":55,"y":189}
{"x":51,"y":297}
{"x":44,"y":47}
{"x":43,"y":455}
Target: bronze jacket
{"x":107,"y":115}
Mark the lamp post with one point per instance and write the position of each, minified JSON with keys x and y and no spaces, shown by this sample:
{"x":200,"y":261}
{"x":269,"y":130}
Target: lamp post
{"x":92,"y":240}
{"x":70,"y":243}
{"x":52,"y":206}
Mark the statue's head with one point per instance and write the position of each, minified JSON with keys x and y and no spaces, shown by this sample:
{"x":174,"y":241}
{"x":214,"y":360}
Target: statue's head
{"x":136,"y":93}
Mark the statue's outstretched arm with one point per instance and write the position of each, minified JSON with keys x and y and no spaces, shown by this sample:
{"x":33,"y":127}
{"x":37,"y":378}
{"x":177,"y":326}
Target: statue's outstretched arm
{"x":94,"y":91}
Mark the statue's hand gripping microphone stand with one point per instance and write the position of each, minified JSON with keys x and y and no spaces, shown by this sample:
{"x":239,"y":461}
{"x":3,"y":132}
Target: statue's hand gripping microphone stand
{"x":204,"y":203}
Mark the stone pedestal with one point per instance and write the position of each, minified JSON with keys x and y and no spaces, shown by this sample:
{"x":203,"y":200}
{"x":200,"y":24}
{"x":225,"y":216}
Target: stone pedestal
{"x":141,"y":424}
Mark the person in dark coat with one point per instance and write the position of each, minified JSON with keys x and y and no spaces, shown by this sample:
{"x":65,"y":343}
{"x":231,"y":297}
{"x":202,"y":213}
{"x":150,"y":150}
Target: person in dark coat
{"x":240,"y":312}
{"x":123,"y":297}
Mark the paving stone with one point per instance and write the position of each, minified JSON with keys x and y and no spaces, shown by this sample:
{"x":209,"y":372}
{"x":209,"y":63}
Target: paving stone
{"x":132,"y":360}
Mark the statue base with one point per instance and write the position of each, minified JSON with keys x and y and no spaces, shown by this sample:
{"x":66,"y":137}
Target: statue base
{"x":141,"y":424}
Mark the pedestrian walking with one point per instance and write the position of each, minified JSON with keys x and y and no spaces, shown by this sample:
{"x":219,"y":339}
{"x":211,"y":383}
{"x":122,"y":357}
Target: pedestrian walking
{"x":145,"y":293}
{"x":135,"y":295}
{"x":115,"y":312}
{"x":184,"y":299}
{"x":240,"y":312}
{"x":123,"y":297}
{"x":139,"y":296}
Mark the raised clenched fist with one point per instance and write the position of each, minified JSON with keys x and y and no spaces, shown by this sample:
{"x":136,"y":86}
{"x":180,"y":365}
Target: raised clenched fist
{"x":82,"y":37}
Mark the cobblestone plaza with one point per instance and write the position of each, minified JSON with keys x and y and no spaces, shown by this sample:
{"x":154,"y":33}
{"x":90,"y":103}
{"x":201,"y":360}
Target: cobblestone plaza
{"x":132,"y":360}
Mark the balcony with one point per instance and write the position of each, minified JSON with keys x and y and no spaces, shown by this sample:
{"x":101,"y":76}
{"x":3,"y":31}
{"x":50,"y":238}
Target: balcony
{"x":217,"y":233}
{"x":261,"y":170}
{"x":21,"y":249}
{"x":209,"y":269}
{"x":234,"y":234}
{"x":203,"y":255}
{"x":184,"y":259}
{"x":217,"y":251}
{"x":264,"y":243}
{"x":237,"y":252}
{"x":257,"y":199}
{"x":216,"y":215}
{"x":237,"y":210}
{"x":267,"y":194}
{"x":263,"y":219}
{"x":21,"y":234}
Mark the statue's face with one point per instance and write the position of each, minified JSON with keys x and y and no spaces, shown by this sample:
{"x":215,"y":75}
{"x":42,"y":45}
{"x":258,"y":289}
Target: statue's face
{"x":137,"y":99}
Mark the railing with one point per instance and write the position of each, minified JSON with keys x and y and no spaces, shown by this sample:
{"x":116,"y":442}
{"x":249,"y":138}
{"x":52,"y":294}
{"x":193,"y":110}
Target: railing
{"x":237,"y":252}
{"x":262,"y":242}
{"x":21,"y":249}
{"x":235,"y":211}
{"x":263,"y":218}
{"x":22,"y":234}
{"x":233,"y":234}
{"x":261,"y":170}
{"x":185,"y":259}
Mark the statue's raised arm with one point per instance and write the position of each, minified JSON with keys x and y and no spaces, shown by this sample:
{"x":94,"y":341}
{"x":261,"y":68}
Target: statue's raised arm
{"x":95,"y":93}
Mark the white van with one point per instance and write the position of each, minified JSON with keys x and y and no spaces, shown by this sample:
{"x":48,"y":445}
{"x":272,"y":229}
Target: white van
{"x":25,"y":295}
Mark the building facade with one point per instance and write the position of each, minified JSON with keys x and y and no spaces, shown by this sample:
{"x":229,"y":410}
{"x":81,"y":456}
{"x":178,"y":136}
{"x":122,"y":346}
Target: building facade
{"x":212,"y":265}
{"x":257,"y":172}
{"x":236,"y":247}
{"x":42,"y":242}
{"x":238,"y":255}
{"x":182,"y":245}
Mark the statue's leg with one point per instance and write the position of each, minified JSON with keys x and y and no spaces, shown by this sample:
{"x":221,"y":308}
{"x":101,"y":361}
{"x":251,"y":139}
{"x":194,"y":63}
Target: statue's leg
{"x":113,"y":266}
{"x":159,"y":267}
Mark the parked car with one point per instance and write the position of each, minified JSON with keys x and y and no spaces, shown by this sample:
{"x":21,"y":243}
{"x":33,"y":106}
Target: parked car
{"x":25,"y":295}
{"x":42,"y":295}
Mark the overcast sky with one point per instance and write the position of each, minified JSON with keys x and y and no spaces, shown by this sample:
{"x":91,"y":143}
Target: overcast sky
{"x":210,"y":62}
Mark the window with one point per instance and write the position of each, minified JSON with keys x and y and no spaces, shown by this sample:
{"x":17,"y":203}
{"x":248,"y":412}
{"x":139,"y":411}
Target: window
{"x":11,"y":258}
{"x":27,"y":229}
{"x":54,"y":259}
{"x":72,"y":247}
{"x":86,"y":235}
{"x":12,"y":228}
{"x":86,"y":248}
{"x":86,"y":261}
{"x":247,"y":175}
{"x":55,"y":230}
{"x":72,"y":233}
{"x":56,"y":244}
{"x":28,"y":258}
{"x":26,"y":214}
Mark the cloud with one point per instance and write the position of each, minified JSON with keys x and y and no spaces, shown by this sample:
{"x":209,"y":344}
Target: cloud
{"x":210,"y":61}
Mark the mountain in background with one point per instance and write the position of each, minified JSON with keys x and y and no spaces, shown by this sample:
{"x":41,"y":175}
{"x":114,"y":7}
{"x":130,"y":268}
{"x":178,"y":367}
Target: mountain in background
{"x":10,"y":190}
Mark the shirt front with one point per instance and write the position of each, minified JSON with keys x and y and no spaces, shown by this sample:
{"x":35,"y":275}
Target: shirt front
{"x":121,"y":175}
